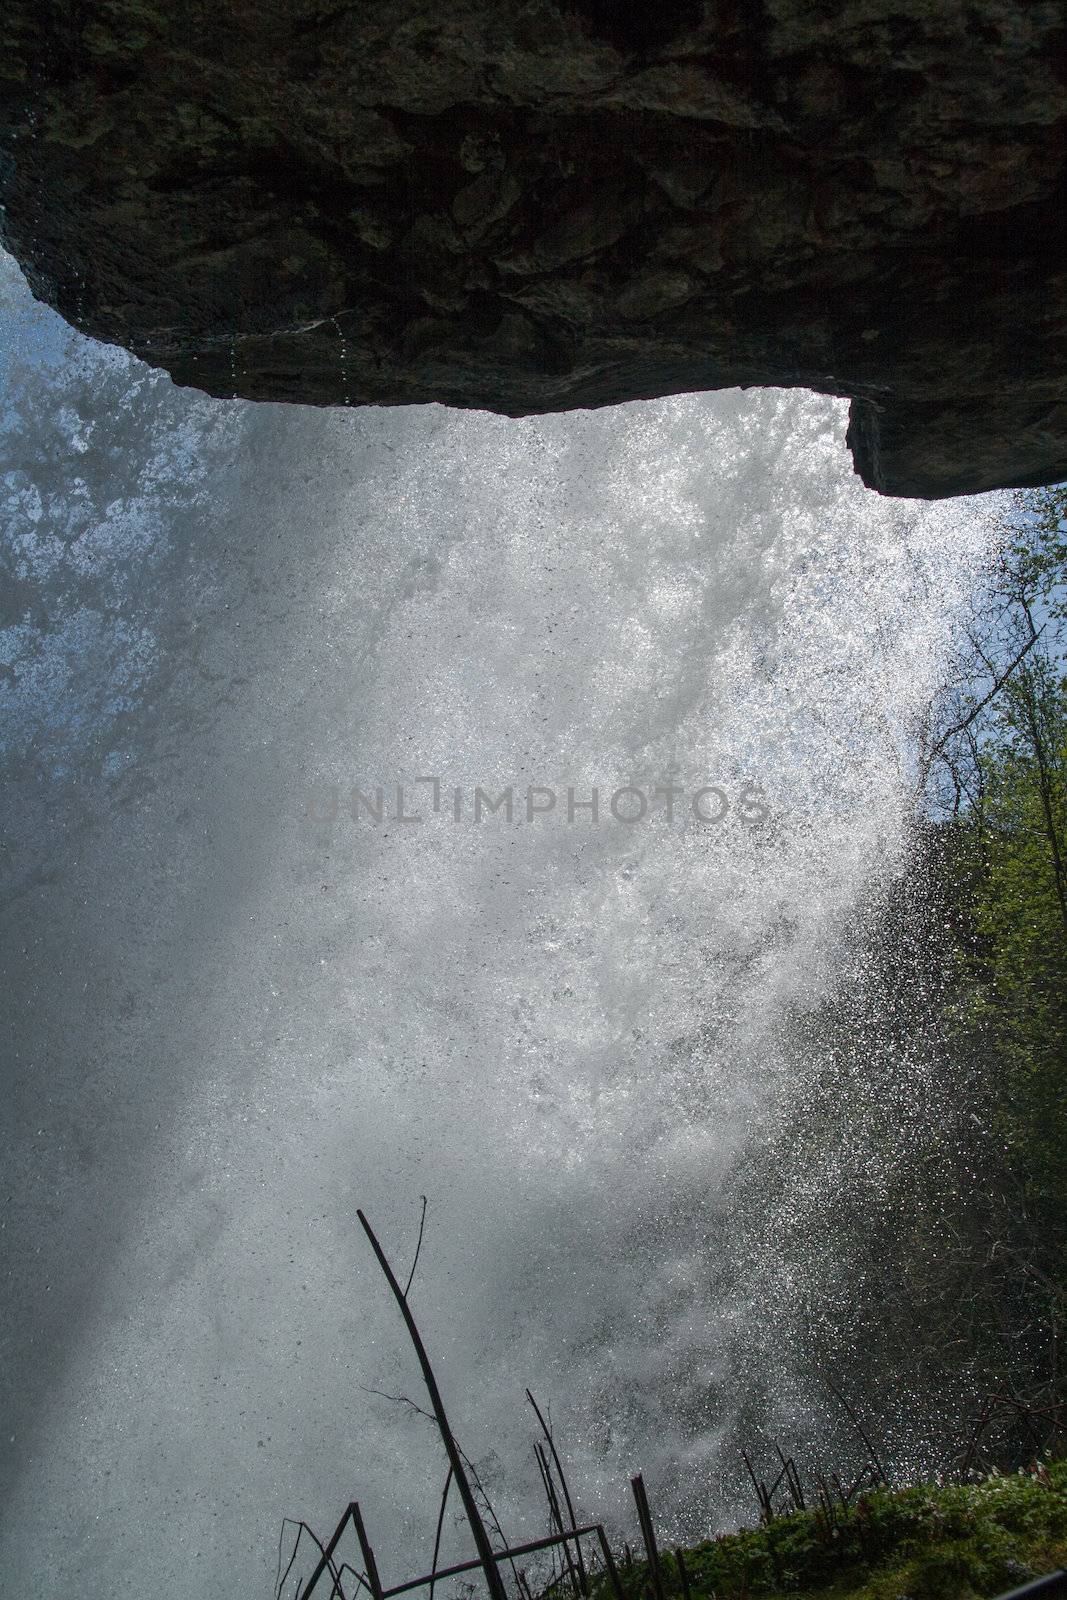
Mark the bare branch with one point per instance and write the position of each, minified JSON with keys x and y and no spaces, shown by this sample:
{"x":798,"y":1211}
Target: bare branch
{"x":999,"y":680}
{"x":418,"y":1247}
{"x":493,"y":1581}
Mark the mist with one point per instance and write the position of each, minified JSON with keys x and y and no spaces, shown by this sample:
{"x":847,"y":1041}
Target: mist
{"x":237,"y":1006}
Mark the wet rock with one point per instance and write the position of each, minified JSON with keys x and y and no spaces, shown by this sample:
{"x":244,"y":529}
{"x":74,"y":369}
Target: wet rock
{"x":531,"y":205}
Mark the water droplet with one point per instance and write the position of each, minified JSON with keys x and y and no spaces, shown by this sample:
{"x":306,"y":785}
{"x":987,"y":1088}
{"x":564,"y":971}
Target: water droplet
{"x":345,"y":399}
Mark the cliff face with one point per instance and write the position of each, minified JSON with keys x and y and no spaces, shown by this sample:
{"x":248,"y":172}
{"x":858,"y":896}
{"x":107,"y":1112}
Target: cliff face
{"x":531,"y":205}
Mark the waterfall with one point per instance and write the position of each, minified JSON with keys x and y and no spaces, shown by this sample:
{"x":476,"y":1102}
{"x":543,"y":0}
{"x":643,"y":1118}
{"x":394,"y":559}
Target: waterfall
{"x":239,"y":1005}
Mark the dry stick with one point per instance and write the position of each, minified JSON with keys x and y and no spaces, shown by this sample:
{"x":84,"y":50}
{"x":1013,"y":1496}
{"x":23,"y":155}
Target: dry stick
{"x":464,"y":1456}
{"x":683,"y":1575}
{"x":980,"y":1424}
{"x":784,"y":1473}
{"x":843,"y":1494}
{"x":551,"y":1509}
{"x":648,"y":1534}
{"x":563,"y":1482}
{"x":792,"y":1479}
{"x":825,"y":1512}
{"x":405,"y":1400}
{"x":301,"y":1528}
{"x":326,"y":1559}
{"x":609,"y":1562}
{"x":847,"y":1494}
{"x":337,"y":1588}
{"x":1026,"y":1412}
{"x":480,"y":1486}
{"x":399,"y":1400}
{"x":554,"y":1547}
{"x":338,"y":1592}
{"x":766,"y":1509}
{"x":418,"y":1247}
{"x":770,"y":1493}
{"x":493,"y":1581}
{"x":545,"y":1487}
{"x":557,"y":1515}
{"x":472,"y":1566}
{"x":369,"y":1562}
{"x":360,"y":1579}
{"x":440,"y":1523}
{"x":860,"y":1429}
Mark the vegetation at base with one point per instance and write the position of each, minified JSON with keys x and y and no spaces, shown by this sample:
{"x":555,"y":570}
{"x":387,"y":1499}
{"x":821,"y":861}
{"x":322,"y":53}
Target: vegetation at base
{"x":932,"y":1542}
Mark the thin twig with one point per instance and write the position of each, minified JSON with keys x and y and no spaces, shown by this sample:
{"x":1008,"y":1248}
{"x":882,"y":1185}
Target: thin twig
{"x":493,"y":1581}
{"x":480,"y":1486}
{"x":860,"y":1429}
{"x":683,"y":1575}
{"x":418,"y":1247}
{"x":399,"y":1400}
{"x":563,"y":1481}
{"x":648,"y":1532}
{"x":762,"y":1494}
{"x":440,"y":1525}
{"x":999,"y":680}
{"x":553,"y":1506}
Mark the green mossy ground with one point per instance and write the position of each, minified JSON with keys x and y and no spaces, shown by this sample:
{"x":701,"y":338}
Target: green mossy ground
{"x":933,"y":1542}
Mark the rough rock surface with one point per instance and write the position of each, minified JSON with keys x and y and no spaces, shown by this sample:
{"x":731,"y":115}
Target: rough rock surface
{"x":531,"y":205}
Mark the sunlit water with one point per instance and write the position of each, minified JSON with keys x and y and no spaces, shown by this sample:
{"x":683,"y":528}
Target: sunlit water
{"x":231,"y":1022}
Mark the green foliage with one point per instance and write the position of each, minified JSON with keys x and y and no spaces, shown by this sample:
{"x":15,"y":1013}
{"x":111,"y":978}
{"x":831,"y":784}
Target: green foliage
{"x":928,"y":1279}
{"x":1037,"y":550}
{"x":1009,"y":866}
{"x":1018,"y":841}
{"x":931,"y":1542}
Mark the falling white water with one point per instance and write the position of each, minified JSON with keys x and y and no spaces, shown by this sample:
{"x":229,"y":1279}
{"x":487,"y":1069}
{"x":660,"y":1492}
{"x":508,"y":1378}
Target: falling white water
{"x":228,"y":1023}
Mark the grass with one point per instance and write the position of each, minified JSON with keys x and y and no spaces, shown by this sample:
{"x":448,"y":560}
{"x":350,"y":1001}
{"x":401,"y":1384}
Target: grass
{"x":931,"y":1542}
